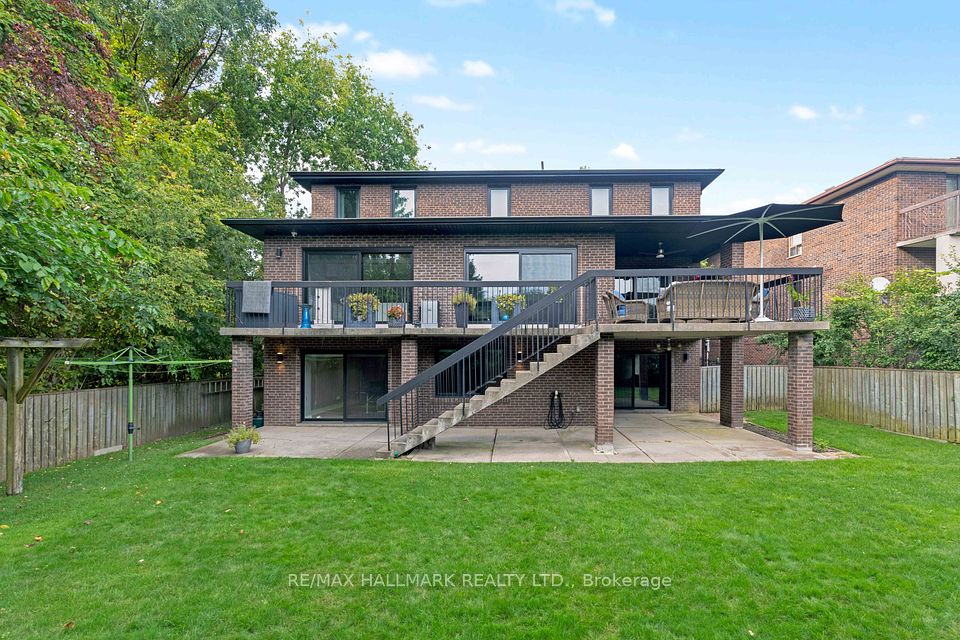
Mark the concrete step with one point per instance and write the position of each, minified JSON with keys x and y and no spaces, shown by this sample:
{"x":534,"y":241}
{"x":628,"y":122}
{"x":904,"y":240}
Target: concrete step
{"x":493,"y":394}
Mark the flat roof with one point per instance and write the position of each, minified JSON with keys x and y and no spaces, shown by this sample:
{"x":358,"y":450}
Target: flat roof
{"x":635,"y":235}
{"x":947,"y":165}
{"x":307,"y":179}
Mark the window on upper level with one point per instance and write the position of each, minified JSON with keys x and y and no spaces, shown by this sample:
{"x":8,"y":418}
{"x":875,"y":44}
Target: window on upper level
{"x":953,"y":204}
{"x":348,"y":202}
{"x":795,"y":246}
{"x":499,"y":202}
{"x":601,"y":201}
{"x":404,"y":203}
{"x":661,"y":200}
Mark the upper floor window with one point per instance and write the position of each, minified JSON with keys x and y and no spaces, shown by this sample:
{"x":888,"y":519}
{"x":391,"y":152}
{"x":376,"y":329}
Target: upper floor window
{"x":499,"y":202}
{"x":404,"y":203}
{"x":348,"y":202}
{"x":601,"y":200}
{"x":661,"y":200}
{"x":795,"y":245}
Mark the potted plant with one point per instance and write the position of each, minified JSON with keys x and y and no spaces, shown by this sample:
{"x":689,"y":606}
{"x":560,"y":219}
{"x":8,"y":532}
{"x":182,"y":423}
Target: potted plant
{"x":242,"y":437}
{"x":463,"y":304}
{"x":396,"y":317}
{"x":506,"y":305}
{"x":802,"y":310}
{"x":361,"y":306}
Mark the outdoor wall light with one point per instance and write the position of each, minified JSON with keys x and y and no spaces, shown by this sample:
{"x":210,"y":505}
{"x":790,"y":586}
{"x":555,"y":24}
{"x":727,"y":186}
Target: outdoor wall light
{"x":660,"y":250}
{"x":279,"y":253}
{"x":279,"y":357}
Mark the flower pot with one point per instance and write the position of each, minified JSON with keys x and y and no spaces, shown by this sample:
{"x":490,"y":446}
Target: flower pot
{"x":462,"y":312}
{"x":352,"y":321}
{"x":804,"y":314}
{"x":395,"y":323}
{"x":497,"y":315}
{"x":243,"y":446}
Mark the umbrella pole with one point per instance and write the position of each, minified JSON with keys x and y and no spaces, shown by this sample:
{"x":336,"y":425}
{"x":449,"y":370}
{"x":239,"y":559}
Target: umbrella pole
{"x":761,"y":317}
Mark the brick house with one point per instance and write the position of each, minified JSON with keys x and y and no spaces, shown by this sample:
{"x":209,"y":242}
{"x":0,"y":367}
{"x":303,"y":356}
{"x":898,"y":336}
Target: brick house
{"x":427,"y":300}
{"x":902,"y":214}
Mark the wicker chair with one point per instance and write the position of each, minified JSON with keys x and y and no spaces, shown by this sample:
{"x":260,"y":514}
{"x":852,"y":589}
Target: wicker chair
{"x":707,"y":301}
{"x":622,"y":310}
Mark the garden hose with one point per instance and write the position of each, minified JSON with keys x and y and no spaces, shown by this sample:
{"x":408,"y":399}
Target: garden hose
{"x":556,"y":419}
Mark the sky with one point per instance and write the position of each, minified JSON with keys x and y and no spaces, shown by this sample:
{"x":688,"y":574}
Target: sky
{"x":788,"y":98}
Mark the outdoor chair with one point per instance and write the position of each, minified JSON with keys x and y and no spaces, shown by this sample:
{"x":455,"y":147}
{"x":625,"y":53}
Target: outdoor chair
{"x":707,"y":301}
{"x":622,"y":310}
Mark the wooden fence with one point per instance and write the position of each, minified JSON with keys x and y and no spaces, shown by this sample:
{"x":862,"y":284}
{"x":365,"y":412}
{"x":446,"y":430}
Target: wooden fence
{"x":921,"y":403}
{"x":70,"y":425}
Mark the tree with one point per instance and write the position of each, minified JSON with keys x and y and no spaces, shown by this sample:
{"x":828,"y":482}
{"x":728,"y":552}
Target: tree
{"x":169,"y":48}
{"x":298,"y":105}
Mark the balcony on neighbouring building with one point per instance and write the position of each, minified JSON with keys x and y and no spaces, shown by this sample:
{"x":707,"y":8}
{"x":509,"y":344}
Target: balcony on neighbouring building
{"x":922,"y":223}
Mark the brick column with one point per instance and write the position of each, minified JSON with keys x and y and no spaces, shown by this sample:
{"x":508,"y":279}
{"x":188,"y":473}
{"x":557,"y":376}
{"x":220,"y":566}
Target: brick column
{"x":409,"y":365}
{"x":603,"y":432}
{"x":731,"y":256}
{"x":685,"y":376}
{"x":241,"y":396}
{"x":800,"y":391}
{"x":731,"y":382}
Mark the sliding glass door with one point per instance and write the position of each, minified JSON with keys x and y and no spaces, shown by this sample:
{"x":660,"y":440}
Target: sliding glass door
{"x":338,"y":386}
{"x":518,"y":265}
{"x":640,"y":380}
{"x":328,"y":302}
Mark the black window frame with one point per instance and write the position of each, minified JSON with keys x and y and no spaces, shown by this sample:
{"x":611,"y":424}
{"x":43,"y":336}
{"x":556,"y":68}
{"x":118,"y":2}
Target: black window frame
{"x":343,"y":354}
{"x":337,"y":200}
{"x":519,"y":251}
{"x":393,"y":202}
{"x":609,"y":188}
{"x":495,"y":187}
{"x":670,"y":191}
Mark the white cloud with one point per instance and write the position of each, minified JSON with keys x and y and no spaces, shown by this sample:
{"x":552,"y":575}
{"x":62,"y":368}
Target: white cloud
{"x":362,"y":36}
{"x":453,"y":3}
{"x":303,"y":31}
{"x":687,"y":134}
{"x":624,"y":151}
{"x":482,"y":147}
{"x":478,"y":69}
{"x":576,"y":9}
{"x":801,"y":112}
{"x":916,"y":119}
{"x":838,"y":114}
{"x":400,"y":65}
{"x":443,"y":102}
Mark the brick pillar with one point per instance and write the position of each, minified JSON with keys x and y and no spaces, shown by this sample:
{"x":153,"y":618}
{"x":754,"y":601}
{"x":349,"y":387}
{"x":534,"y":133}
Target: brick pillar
{"x":800,"y":391}
{"x":731,"y":382}
{"x":409,"y":365}
{"x":241,"y":396}
{"x":685,"y":376}
{"x":603,"y":432}
{"x":731,"y":256}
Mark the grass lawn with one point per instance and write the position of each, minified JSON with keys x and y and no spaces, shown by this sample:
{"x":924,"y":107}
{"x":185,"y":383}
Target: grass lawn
{"x":168,"y":547}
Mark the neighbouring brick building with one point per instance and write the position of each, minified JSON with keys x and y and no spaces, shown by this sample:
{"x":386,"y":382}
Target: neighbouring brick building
{"x":902,"y":214}
{"x":425,"y":300}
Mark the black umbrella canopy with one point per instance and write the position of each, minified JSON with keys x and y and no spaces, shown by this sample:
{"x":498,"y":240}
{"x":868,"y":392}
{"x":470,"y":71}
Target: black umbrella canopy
{"x":771,"y":220}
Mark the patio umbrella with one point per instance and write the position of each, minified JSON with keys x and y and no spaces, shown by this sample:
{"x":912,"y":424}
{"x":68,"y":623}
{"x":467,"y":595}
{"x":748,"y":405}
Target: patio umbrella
{"x":776,"y":220}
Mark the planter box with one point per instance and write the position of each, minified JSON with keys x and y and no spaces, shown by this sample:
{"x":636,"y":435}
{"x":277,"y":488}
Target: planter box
{"x":396,"y":323}
{"x":462,"y":312}
{"x":497,"y":317}
{"x":357,"y":323}
{"x":803,"y":314}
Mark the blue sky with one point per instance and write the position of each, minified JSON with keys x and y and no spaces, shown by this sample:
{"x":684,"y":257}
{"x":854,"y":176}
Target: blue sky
{"x":789,"y":98}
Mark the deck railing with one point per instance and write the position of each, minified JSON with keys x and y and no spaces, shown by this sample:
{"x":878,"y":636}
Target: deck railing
{"x":930,"y":218}
{"x":641,"y":295}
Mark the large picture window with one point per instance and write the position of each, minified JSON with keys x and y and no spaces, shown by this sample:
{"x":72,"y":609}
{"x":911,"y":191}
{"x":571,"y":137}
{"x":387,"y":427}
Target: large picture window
{"x":327,"y":302}
{"x":516,"y":265}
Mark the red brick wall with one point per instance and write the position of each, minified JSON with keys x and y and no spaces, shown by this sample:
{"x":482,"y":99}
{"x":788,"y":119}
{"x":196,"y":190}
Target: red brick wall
{"x":604,"y":390}
{"x":685,"y":376}
{"x":241,"y":398}
{"x":526,"y":199}
{"x":800,"y":390}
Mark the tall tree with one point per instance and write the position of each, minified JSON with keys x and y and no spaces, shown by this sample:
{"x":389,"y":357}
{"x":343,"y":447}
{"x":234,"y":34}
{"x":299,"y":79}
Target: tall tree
{"x":300,"y":105}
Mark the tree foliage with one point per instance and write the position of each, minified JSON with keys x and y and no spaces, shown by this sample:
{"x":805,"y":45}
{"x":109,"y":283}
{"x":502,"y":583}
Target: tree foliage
{"x":913,"y":324}
{"x":129,"y":129}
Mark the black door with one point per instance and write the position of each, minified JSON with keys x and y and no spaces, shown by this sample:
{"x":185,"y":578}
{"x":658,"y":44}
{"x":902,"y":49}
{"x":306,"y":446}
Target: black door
{"x":339,"y":386}
{"x":640,"y":380}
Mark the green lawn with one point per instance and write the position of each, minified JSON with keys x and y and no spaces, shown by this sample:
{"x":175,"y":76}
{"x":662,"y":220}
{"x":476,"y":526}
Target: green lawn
{"x":202,"y":548}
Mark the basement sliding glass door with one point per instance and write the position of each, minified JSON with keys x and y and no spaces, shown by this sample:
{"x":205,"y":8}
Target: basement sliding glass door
{"x":343,"y":387}
{"x":640,"y":381}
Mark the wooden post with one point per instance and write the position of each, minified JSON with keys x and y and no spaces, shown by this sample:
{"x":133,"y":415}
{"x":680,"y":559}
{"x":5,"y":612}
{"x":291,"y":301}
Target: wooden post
{"x":14,"y":479}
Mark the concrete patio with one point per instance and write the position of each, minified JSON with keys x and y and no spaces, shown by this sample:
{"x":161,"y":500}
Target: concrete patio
{"x":638,"y":437}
